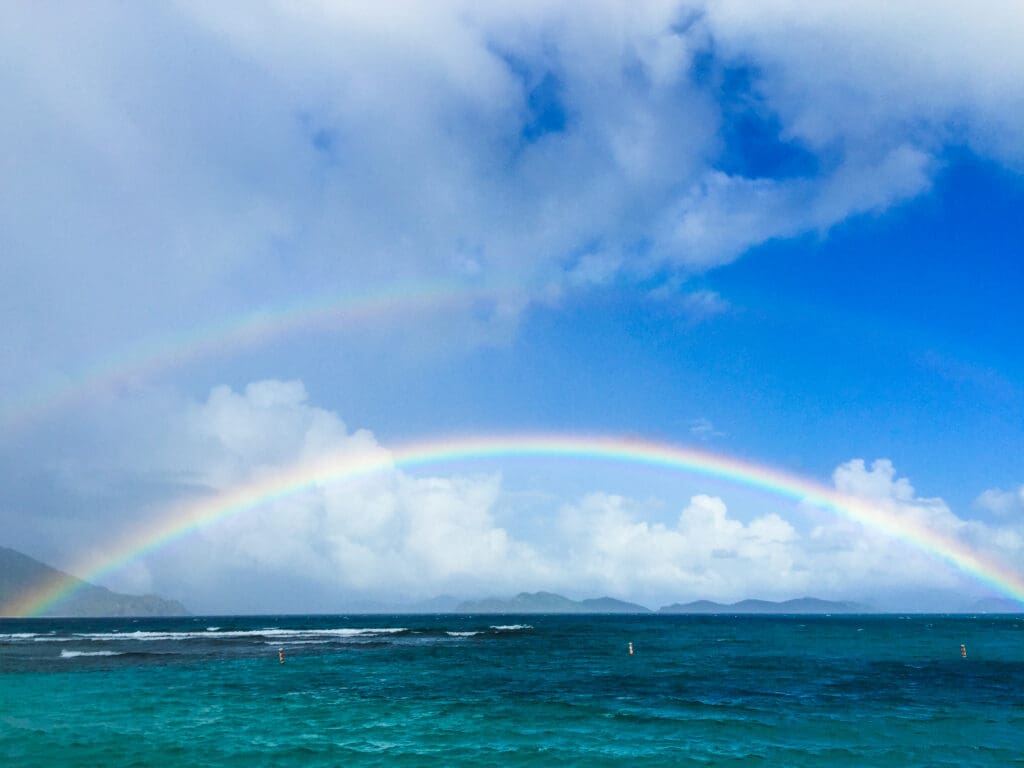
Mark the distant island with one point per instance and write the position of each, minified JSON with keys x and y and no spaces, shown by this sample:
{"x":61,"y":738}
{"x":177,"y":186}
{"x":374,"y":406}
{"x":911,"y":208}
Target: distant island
{"x":548,"y":602}
{"x":997,"y":605}
{"x":21,"y":575}
{"x":800,"y":605}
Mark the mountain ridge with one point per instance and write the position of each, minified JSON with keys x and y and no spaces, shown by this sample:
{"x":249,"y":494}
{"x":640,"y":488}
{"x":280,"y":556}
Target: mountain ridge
{"x":21,"y":574}
{"x":799,"y":605}
{"x":549,"y":602}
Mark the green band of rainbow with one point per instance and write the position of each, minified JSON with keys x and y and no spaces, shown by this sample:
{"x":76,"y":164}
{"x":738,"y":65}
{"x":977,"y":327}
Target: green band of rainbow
{"x":186,"y":518}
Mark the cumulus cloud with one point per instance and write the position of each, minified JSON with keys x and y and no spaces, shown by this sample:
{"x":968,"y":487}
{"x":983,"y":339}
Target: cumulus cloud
{"x":705,"y":553}
{"x":395,"y":535}
{"x":385,"y":533}
{"x":1001,"y":502}
{"x":268,"y":424}
{"x":879,"y":484}
{"x":709,"y":553}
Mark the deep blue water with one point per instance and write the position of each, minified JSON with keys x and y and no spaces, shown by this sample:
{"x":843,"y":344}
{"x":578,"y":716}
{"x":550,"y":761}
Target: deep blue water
{"x":513,"y":690}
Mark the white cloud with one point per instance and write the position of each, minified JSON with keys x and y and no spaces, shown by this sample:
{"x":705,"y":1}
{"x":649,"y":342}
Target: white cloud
{"x":387,"y":533}
{"x":874,"y":74}
{"x":390,"y":535}
{"x":708,"y":553}
{"x":269,"y":424}
{"x":721,"y":215}
{"x":220,"y":157}
{"x":1001,"y":502}
{"x":395,"y":535}
{"x":880,"y":485}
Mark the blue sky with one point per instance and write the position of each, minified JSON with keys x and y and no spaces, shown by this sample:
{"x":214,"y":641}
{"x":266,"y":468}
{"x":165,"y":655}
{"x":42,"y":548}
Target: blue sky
{"x":894,"y":335}
{"x":787,"y":233}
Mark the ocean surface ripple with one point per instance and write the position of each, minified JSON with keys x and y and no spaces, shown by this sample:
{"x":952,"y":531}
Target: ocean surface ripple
{"x":513,"y":690}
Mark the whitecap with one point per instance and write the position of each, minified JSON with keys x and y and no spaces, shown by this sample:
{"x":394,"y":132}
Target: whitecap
{"x":295,"y":642}
{"x":74,"y":654}
{"x":510,"y":627}
{"x":142,"y":635}
{"x":461,"y":634}
{"x":341,"y":632}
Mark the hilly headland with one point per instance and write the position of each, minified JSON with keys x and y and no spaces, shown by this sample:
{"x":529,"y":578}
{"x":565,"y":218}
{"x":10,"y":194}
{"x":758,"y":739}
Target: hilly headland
{"x":22,"y":575}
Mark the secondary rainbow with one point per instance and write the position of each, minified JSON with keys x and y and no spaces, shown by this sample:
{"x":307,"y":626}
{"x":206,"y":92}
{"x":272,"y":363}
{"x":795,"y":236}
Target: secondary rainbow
{"x":250,"y":329}
{"x":185,"y":518}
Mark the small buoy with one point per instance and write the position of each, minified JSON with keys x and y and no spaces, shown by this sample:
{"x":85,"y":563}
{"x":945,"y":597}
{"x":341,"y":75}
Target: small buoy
{"x":630,"y":649}
{"x":963,"y":650}
{"x":280,"y":654}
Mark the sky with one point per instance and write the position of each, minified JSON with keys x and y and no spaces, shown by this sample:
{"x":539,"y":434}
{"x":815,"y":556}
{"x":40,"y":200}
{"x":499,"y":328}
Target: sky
{"x":235,"y":237}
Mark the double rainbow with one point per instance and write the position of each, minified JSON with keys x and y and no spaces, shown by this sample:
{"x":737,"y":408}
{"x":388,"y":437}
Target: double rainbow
{"x":186,"y":518}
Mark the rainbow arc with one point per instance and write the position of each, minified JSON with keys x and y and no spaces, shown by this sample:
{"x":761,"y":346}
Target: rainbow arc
{"x":184,"y":519}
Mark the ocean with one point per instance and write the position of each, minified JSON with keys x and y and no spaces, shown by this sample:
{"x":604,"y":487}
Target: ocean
{"x":513,"y":690}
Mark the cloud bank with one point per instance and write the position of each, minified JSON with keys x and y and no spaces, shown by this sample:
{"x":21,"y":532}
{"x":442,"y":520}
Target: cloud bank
{"x":216,"y":158}
{"x":396,"y":535}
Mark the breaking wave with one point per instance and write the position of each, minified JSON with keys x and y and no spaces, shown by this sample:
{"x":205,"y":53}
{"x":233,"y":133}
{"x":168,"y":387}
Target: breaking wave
{"x":75,"y":654}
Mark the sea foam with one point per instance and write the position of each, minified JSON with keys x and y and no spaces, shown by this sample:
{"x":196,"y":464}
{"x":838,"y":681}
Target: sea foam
{"x":271,"y":632}
{"x":75,"y":654}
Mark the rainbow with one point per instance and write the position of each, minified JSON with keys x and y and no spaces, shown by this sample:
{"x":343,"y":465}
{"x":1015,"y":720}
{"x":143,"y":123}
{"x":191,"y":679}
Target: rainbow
{"x":183,"y":519}
{"x":250,"y":329}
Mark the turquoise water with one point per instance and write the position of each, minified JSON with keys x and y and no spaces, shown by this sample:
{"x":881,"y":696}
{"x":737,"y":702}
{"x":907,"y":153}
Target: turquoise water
{"x":522,"y":690}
